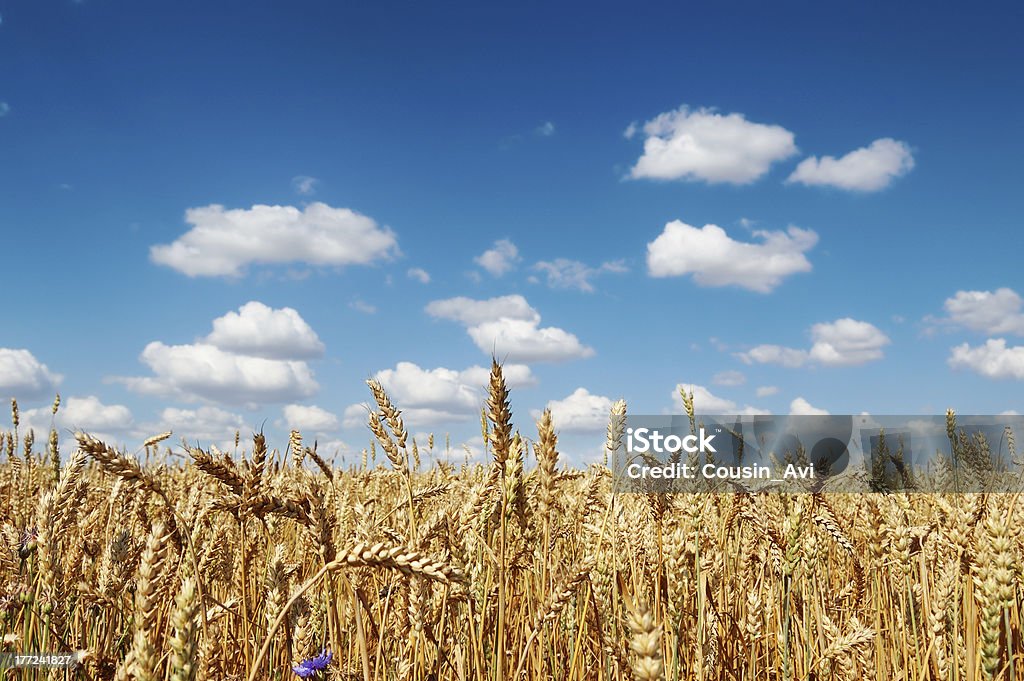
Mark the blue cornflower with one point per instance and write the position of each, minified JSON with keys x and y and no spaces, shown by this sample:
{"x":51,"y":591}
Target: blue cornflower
{"x":307,"y":668}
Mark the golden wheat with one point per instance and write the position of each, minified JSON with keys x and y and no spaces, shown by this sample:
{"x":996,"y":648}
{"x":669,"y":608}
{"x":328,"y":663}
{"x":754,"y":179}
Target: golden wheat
{"x":245,"y":565}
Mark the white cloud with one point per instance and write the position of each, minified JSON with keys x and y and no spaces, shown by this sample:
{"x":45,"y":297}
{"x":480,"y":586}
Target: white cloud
{"x":992,"y":312}
{"x":262,"y":331}
{"x":564,"y":273}
{"x":419,"y":274}
{"x":500,"y":259}
{"x":517,"y":340}
{"x":924,"y":427}
{"x":706,"y":402}
{"x":203,"y":425}
{"x":509,"y":328}
{"x":581,"y":411}
{"x":472,"y":312}
{"x":202,"y":371}
{"x":844,"y":342}
{"x":866,"y":169}
{"x":356,"y":415}
{"x":729,"y":378}
{"x":90,"y":412}
{"x":546,"y":129}
{"x":472,"y":450}
{"x":86,"y":414}
{"x":309,"y":418}
{"x":253,"y":356}
{"x":774,"y":354}
{"x":222,"y":243}
{"x":992,"y":360}
{"x":304,"y":185}
{"x":516,"y":376}
{"x":5,"y":109}
{"x":766,"y":391}
{"x":25,"y":377}
{"x":703,"y":145}
{"x":801,"y":407}
{"x":716,"y":259}
{"x":432,"y":396}
{"x":329,"y":450}
{"x":362,"y":306}
{"x":440,"y":389}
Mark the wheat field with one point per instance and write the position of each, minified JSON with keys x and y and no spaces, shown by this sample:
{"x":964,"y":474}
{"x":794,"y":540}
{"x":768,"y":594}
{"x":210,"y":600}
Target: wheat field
{"x":264,"y":563}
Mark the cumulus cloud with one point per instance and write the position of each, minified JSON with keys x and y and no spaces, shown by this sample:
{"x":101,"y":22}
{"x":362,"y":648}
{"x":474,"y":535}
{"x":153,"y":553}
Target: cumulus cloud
{"x":703,"y":145}
{"x":433,"y":396}
{"x":500,"y":259}
{"x":223,"y":243}
{"x":439,"y":390}
{"x":766,"y":391}
{"x":203,"y":425}
{"x":470,"y":450}
{"x":844,"y":342}
{"x":516,"y":376}
{"x":706,"y":402}
{"x":90,"y":412}
{"x":25,"y":377}
{"x":923,"y":427}
{"x":304,"y":185}
{"x":716,"y":259}
{"x":202,"y":371}
{"x":262,"y":331}
{"x":330,"y":449}
{"x":509,"y":327}
{"x":356,"y":415}
{"x":992,"y":360}
{"x":253,"y":356}
{"x":563,"y":273}
{"x":801,"y":407}
{"x":5,"y":109}
{"x":729,"y":378}
{"x":774,"y":354}
{"x":866,"y":169}
{"x":992,"y":312}
{"x":522,"y":341}
{"x":309,"y":418}
{"x":87,"y":414}
{"x":581,"y":411}
{"x":419,"y":274}
{"x":471,"y":312}
{"x":546,"y":129}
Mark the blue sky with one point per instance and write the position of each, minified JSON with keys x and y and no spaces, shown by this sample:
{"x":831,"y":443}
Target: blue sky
{"x":792,"y":208}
